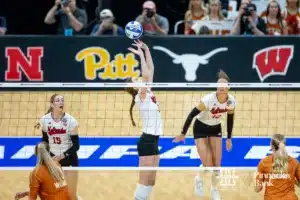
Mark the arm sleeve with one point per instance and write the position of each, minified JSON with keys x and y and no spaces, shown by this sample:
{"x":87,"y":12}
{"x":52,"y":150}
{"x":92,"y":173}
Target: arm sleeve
{"x":189,"y":120}
{"x":75,"y":147}
{"x":34,"y":185}
{"x":45,"y":137}
{"x":230,"y":120}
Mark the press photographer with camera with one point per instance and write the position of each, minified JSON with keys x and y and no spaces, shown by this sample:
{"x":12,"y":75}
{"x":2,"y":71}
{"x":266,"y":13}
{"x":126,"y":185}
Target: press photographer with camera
{"x":248,"y":22}
{"x":106,"y":26}
{"x":71,"y":19}
{"x":153,"y":23}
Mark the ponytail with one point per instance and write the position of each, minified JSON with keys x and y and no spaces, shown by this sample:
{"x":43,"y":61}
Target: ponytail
{"x":130,"y":111}
{"x":280,"y":164}
{"x":43,"y":157}
{"x":38,"y":125}
{"x":223,"y":75}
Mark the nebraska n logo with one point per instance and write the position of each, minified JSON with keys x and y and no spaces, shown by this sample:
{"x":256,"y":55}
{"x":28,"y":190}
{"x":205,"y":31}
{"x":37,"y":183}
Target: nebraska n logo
{"x":273,"y":60}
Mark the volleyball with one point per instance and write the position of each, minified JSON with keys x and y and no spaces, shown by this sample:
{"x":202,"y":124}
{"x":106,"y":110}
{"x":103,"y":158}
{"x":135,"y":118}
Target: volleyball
{"x":133,"y":30}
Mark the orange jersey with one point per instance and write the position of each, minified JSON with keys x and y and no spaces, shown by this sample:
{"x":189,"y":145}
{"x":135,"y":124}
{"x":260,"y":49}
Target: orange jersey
{"x":273,"y":29}
{"x":278,"y":186}
{"x":42,"y":185}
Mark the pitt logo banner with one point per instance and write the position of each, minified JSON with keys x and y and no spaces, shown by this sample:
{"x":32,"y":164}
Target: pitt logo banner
{"x":98,"y":64}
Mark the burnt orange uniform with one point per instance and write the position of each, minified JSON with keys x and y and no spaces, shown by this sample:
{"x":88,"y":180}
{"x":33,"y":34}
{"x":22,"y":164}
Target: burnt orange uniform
{"x":278,"y":186}
{"x":42,"y":185}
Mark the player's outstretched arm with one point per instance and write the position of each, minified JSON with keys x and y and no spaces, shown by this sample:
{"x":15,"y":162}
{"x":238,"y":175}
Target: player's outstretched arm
{"x":230,"y":122}
{"x":149,"y":60}
{"x":188,"y":121}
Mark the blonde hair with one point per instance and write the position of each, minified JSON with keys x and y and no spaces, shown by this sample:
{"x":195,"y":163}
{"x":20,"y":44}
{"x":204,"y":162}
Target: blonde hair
{"x":280,"y":163}
{"x":44,"y":158}
{"x":220,"y":15}
{"x":190,"y":12}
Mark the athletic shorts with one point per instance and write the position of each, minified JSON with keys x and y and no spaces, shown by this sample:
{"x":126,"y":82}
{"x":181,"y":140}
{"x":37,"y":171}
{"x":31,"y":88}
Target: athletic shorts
{"x":70,"y":161}
{"x":148,"y":145}
{"x":201,"y":130}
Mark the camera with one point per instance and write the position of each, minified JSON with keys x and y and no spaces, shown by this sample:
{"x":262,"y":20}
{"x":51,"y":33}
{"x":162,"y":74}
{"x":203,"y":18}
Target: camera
{"x":149,"y":13}
{"x":248,"y":10}
{"x":65,"y":3}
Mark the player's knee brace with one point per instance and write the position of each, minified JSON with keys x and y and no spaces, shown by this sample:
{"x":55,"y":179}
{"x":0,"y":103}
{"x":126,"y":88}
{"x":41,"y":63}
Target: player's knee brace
{"x":142,"y":192}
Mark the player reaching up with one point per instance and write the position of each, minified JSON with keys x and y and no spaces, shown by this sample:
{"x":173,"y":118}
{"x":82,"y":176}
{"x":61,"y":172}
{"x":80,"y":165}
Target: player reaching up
{"x":147,"y":145}
{"x":207,"y":130}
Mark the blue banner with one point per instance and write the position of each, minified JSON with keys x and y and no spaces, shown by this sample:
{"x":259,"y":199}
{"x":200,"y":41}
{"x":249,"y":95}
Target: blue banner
{"x":122,"y":152}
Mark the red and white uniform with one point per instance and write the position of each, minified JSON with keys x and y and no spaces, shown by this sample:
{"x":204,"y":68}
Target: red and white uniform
{"x":214,"y":109}
{"x":59,"y":132}
{"x":150,"y":114}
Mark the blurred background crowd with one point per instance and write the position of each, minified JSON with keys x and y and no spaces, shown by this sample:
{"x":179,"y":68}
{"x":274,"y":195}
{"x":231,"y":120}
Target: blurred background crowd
{"x":160,"y":17}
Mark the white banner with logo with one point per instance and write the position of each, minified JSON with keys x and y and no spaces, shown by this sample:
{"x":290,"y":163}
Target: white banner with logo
{"x":216,"y":27}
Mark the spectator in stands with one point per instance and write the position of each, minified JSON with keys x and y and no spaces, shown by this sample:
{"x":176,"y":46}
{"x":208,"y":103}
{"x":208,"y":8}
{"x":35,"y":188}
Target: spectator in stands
{"x":292,"y":16}
{"x":214,"y":11}
{"x":204,"y":30}
{"x":106,"y":25}
{"x":195,"y":12}
{"x":247,"y":22}
{"x":3,"y":27}
{"x":153,"y":23}
{"x":273,"y":19}
{"x":71,"y":18}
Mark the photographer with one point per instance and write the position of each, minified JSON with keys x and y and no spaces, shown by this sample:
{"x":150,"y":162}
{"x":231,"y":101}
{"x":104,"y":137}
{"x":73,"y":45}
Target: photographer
{"x":106,"y":25}
{"x":70,"y":17}
{"x":153,"y":23}
{"x":247,"y":22}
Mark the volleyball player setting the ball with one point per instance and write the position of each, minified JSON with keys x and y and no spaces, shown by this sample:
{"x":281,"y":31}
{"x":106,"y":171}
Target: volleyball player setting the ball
{"x":60,"y":131}
{"x":207,"y":130}
{"x":47,"y":179}
{"x":147,"y":145}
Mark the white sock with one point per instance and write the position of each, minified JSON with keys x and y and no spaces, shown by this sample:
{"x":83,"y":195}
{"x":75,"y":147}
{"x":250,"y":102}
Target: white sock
{"x":142,"y":192}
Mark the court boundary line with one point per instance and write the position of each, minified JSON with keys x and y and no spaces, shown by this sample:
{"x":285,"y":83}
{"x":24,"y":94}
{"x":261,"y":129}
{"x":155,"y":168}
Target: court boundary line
{"x":137,"y":168}
{"x":137,"y":136}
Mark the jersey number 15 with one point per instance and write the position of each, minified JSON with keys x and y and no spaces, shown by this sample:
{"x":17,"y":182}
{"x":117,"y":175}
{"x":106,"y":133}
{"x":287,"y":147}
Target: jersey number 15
{"x":56,"y":140}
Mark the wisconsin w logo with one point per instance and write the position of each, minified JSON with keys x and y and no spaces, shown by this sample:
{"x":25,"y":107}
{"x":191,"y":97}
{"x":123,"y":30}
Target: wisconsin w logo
{"x":273,"y":60}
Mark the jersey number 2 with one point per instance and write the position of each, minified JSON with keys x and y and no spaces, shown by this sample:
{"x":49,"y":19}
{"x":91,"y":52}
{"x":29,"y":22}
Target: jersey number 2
{"x":56,"y":140}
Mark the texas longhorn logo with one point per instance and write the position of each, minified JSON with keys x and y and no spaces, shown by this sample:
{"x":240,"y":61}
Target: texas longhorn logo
{"x":190,"y":62}
{"x":273,"y":60}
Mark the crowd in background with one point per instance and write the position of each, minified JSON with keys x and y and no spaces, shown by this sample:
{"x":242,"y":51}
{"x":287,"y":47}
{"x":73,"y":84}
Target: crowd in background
{"x":274,"y":20}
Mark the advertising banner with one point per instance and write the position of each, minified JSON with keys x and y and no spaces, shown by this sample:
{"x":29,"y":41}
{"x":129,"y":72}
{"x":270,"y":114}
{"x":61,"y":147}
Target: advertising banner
{"x":122,"y":152}
{"x":176,"y":59}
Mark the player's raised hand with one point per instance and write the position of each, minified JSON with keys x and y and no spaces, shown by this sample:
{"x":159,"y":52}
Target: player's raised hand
{"x":137,"y":51}
{"x":228,"y":145}
{"x":179,"y":138}
{"x":141,"y":44}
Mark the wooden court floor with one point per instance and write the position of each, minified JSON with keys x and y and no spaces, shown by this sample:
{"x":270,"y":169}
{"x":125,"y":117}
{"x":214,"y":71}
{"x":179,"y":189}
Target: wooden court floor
{"x":107,"y":113}
{"x":120,"y":185}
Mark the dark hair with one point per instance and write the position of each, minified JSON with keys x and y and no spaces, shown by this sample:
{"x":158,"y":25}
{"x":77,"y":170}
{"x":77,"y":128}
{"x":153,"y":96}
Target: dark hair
{"x":204,"y":30}
{"x":37,"y":126}
{"x":133,"y":92}
{"x":223,"y":75}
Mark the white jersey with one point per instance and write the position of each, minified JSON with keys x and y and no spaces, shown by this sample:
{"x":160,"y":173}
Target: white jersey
{"x":150,"y":114}
{"x":214,"y":109}
{"x":59,"y":132}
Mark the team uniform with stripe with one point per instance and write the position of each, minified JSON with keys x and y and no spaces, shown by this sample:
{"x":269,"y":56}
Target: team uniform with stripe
{"x":152,"y":124}
{"x":59,"y":134}
{"x":208,"y":122}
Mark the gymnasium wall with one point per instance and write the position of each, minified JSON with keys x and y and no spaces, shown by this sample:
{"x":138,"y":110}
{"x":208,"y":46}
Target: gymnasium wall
{"x":106,"y":113}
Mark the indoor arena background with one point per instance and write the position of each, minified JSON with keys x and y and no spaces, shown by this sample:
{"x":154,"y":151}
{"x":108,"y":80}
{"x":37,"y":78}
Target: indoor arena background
{"x":34,"y":68}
